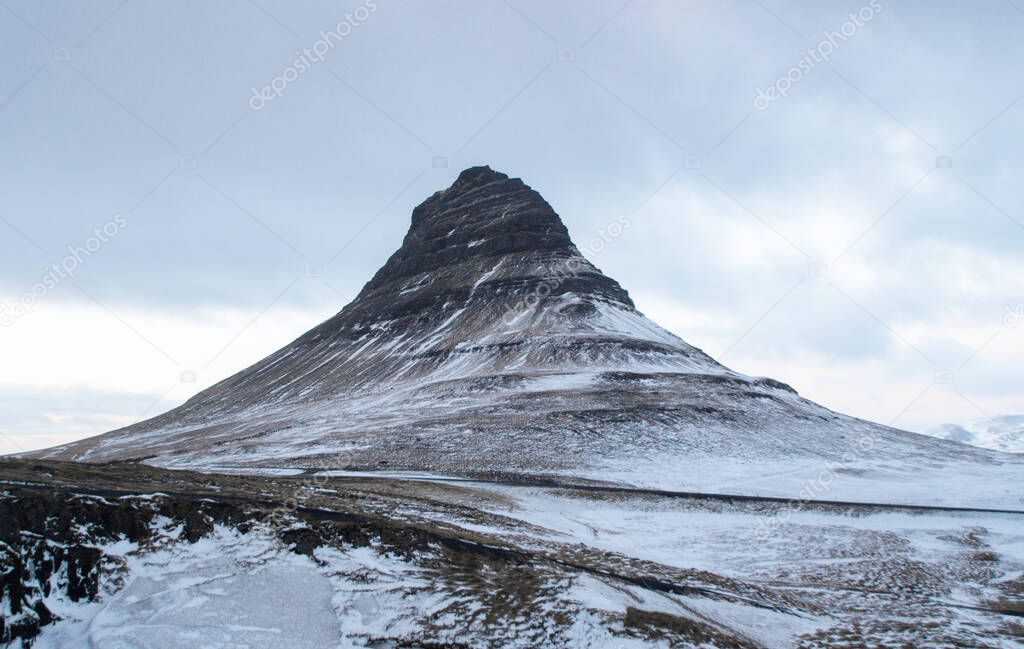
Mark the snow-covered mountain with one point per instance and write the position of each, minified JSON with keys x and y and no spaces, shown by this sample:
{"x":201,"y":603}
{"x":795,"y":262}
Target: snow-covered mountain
{"x":488,"y":343}
{"x":323,"y":510}
{"x":1001,"y":433}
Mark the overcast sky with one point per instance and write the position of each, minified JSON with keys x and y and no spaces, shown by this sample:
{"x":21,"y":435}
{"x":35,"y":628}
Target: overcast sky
{"x":810,"y":229}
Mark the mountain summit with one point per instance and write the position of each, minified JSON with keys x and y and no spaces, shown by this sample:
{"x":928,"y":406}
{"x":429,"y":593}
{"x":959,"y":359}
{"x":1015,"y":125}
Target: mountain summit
{"x":489,"y":242}
{"x":488,"y":343}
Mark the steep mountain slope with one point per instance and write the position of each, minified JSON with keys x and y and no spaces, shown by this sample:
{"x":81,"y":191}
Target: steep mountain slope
{"x":487,"y":343}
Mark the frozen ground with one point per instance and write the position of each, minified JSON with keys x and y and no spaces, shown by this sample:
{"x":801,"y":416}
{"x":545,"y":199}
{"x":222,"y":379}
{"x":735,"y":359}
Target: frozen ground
{"x":226,"y":590}
{"x":378,"y":562}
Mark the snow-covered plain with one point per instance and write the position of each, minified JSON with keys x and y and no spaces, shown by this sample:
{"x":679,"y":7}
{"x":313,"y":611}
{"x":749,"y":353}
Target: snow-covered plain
{"x":787,"y":577}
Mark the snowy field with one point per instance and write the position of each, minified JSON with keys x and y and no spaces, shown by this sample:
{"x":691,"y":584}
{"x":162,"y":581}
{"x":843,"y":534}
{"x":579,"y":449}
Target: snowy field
{"x":498,"y":565}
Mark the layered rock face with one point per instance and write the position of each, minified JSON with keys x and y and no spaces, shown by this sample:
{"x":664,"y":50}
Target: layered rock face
{"x":487,"y":342}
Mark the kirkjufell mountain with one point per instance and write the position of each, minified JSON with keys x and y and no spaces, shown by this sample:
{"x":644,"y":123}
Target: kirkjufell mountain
{"x":492,"y":448}
{"x":488,"y":344}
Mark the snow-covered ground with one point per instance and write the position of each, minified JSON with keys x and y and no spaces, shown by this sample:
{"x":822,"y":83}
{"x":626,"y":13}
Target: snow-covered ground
{"x":959,"y":486}
{"x":225,"y":590}
{"x":730,"y":541}
{"x":867,"y":480}
{"x":426,"y":559}
{"x":832,"y":554}
{"x":233,"y":590}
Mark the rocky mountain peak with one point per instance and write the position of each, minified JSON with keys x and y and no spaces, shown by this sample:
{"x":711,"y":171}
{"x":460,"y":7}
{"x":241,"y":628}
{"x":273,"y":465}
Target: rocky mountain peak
{"x":470,"y":180}
{"x":488,"y":237}
{"x":477,"y":176}
{"x":482,"y":201}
